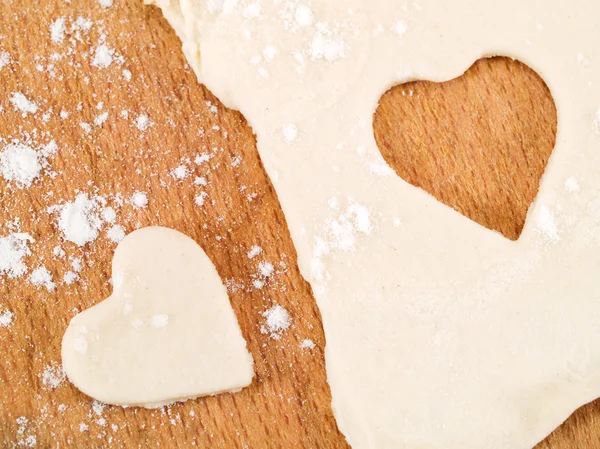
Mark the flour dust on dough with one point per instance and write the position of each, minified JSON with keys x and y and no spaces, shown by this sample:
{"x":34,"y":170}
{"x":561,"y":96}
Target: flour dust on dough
{"x":441,"y":334}
{"x":166,"y":334}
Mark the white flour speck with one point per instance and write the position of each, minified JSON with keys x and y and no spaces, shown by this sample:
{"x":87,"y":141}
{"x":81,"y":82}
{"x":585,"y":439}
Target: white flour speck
{"x":546,"y":224}
{"x":180,"y":172}
{"x":57,"y":30}
{"x":99,"y":120}
{"x":52,"y":376}
{"x":290,"y":132}
{"x":202,"y":158}
{"x":13,"y":248}
{"x":327,"y":47}
{"x":400,"y":28}
{"x":105,"y":3}
{"x":83,"y":427}
{"x":139,"y":200}
{"x":571,"y":185}
{"x":21,"y":164}
{"x":137,"y":323}
{"x":254,"y":251}
{"x":79,"y":221}
{"x":116,"y":233}
{"x":303,"y":15}
{"x":103,"y":57}
{"x":277,"y":321}
{"x":126,"y":74}
{"x":265,"y":269}
{"x":82,"y":24}
{"x":20,"y":102}
{"x":4,"y":59}
{"x":41,"y":277}
{"x":269,"y":52}
{"x":252,"y":11}
{"x":109,"y":215}
{"x":307,"y":344}
{"x":6,"y":319}
{"x":199,"y":199}
{"x":98,"y":407}
{"x":143,"y":122}
{"x":160,"y":321}
{"x":70,"y":277}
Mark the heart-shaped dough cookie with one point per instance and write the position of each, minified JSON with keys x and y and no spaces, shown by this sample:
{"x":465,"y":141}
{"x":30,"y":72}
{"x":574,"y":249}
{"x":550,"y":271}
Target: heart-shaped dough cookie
{"x":166,"y":334}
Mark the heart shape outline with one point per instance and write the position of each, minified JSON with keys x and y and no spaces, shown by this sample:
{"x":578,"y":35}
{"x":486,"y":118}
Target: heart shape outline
{"x":167,"y":333}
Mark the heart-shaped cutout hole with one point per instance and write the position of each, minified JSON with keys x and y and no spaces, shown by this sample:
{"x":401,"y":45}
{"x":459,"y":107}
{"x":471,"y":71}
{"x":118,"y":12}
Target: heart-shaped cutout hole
{"x":481,"y":151}
{"x":167,"y":333}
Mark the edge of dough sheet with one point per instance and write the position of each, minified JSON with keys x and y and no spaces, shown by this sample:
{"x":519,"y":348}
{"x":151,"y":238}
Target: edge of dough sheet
{"x":484,"y":343}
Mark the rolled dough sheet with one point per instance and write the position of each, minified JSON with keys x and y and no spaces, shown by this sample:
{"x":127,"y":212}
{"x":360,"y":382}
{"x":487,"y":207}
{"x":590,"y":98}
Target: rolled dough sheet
{"x":441,"y":334}
{"x":166,"y":334}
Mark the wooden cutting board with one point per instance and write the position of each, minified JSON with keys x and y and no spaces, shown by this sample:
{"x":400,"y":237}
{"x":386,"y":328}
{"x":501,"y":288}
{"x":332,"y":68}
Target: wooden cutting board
{"x":479,"y":144}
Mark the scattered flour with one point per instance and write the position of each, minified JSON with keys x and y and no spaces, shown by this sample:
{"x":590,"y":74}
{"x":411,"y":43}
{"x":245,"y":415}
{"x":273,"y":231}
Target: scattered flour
{"x":180,"y":172}
{"x":105,"y":3}
{"x":79,"y":221}
{"x":99,"y":120}
{"x":265,"y":269}
{"x":340,"y":233}
{"x":199,"y":199}
{"x":254,"y":251}
{"x":400,"y":28}
{"x":571,"y":185}
{"x":143,"y":122}
{"x":546,"y":225}
{"x":41,"y":277}
{"x":277,"y":321}
{"x":116,"y":233}
{"x":326,"y":46}
{"x":139,"y":200}
{"x":52,"y":376}
{"x":252,"y":11}
{"x":303,"y":15}
{"x":109,"y":215}
{"x":269,"y":52}
{"x":21,"y":164}
{"x":57,"y":30}
{"x":6,"y":318}
{"x":290,"y":132}
{"x":70,"y":277}
{"x":80,"y":344}
{"x":4,"y":59}
{"x":103,"y":57}
{"x":98,"y":407}
{"x":202,"y":158}
{"x":13,"y":248}
{"x":160,"y":321}
{"x":307,"y":344}
{"x":21,"y":103}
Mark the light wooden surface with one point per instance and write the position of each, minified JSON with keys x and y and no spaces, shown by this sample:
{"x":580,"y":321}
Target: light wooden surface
{"x":288,"y":404}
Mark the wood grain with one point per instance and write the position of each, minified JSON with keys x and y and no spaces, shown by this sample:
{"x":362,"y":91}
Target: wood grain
{"x":288,"y":404}
{"x":479,"y":143}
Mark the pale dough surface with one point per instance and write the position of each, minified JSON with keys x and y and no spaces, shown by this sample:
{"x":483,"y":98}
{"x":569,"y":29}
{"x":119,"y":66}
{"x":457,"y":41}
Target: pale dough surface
{"x":167,"y":333}
{"x":441,"y":334}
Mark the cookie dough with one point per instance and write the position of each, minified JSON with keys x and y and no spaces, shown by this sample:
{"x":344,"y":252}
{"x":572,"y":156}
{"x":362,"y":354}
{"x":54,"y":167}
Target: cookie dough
{"x":166,"y":334}
{"x":441,"y":334}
